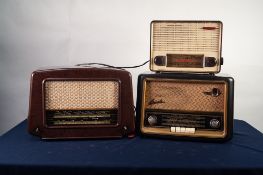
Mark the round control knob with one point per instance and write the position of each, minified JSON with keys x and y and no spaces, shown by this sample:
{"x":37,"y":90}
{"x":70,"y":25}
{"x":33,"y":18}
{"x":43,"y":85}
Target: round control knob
{"x":152,"y":120}
{"x":214,"y":123}
{"x":160,"y":60}
{"x":215,"y":92}
{"x":210,"y":62}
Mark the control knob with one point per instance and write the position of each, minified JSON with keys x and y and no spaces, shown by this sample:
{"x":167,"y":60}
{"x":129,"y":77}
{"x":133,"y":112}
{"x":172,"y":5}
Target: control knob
{"x":214,"y":123}
{"x":152,"y":120}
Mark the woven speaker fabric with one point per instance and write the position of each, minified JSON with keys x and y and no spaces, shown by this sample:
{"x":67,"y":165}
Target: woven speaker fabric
{"x":81,"y":95}
{"x":186,"y":37}
{"x":184,"y":96}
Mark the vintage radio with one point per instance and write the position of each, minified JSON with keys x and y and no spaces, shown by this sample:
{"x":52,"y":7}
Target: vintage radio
{"x":186,"y":46}
{"x":185,"y":106}
{"x":81,"y":102}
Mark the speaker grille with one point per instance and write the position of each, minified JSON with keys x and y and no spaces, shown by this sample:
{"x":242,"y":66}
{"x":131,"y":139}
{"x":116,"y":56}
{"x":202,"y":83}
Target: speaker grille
{"x":184,"y":96}
{"x":186,"y":36}
{"x":81,"y":95}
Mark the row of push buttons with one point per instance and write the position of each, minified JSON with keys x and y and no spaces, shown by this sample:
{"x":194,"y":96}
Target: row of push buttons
{"x":183,"y":129}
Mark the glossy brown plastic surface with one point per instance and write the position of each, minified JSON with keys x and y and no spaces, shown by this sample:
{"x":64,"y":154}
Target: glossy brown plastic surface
{"x":36,"y":118}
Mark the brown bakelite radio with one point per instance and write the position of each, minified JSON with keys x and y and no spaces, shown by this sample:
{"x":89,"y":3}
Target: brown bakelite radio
{"x":185,"y":106}
{"x":186,"y":46}
{"x":81,"y":103}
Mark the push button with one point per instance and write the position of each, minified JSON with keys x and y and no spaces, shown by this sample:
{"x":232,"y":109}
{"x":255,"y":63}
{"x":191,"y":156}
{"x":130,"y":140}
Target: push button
{"x":182,"y":130}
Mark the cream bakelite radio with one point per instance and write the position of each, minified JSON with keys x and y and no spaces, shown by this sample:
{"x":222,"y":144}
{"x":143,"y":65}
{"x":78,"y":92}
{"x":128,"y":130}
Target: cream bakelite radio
{"x":186,"y":46}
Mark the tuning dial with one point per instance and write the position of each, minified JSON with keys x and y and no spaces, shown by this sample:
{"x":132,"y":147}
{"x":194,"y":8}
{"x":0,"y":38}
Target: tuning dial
{"x":215,"y":92}
{"x":214,"y":123}
{"x":152,"y":120}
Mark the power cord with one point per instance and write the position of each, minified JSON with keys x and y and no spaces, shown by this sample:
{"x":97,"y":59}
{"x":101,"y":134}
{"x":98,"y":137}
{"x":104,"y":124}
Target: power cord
{"x":107,"y":65}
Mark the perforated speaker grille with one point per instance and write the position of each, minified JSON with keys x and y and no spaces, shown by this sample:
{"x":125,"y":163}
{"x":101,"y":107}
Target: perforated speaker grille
{"x":81,"y":95}
{"x":184,"y":96}
{"x":186,"y":37}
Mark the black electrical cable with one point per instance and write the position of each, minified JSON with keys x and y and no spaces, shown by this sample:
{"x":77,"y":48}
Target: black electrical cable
{"x":107,"y":65}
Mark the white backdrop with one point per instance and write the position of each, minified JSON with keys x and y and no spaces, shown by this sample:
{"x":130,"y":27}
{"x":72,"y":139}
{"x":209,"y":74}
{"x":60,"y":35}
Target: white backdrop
{"x":40,"y":33}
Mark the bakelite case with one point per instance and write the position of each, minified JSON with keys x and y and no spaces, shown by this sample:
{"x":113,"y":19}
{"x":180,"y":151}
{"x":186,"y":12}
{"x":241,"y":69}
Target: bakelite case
{"x":186,"y":46}
{"x":73,"y":82}
{"x":187,"y":95}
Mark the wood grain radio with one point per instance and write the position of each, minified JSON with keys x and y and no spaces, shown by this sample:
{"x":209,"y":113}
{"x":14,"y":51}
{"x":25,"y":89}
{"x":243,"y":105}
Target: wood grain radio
{"x":81,"y":103}
{"x":185,"y":106}
{"x":186,"y":46}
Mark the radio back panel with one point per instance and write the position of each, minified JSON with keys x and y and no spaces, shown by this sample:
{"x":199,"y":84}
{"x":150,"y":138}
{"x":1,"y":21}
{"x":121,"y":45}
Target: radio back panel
{"x":186,"y":46}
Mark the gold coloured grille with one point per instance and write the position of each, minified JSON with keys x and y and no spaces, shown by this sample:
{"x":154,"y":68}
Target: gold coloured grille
{"x":184,"y":96}
{"x":81,"y":95}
